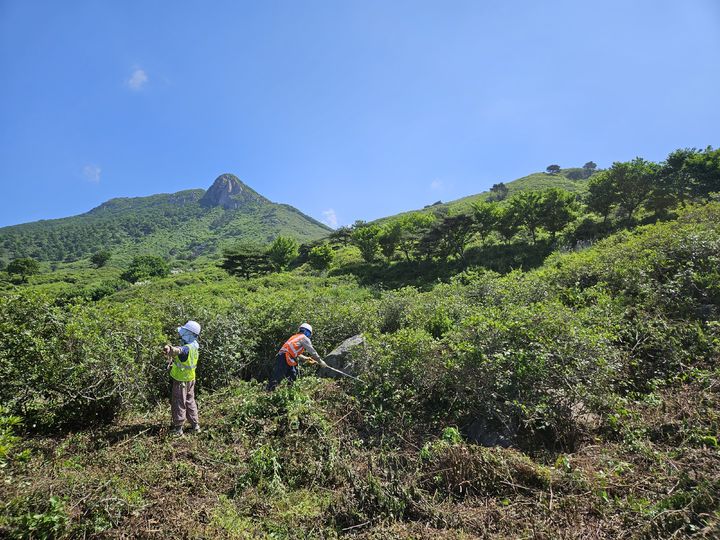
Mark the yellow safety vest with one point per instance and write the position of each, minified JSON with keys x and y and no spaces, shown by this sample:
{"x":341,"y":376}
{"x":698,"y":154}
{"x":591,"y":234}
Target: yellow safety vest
{"x":185,"y":371}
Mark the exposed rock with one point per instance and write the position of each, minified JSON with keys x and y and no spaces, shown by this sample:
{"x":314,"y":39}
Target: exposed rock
{"x":230,"y":193}
{"x":345,"y":357}
{"x":584,"y":418}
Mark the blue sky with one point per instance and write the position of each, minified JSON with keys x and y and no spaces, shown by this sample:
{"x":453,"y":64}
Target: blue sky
{"x":345,"y":109}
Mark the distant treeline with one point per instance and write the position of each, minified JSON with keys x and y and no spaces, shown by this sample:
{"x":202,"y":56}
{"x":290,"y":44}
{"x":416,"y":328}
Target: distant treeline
{"x":624,"y":195}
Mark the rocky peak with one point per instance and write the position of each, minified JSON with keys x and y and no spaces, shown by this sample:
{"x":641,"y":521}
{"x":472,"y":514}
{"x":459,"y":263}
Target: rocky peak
{"x":230,"y":193}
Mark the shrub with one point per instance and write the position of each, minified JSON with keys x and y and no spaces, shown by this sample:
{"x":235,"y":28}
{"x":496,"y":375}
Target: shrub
{"x":146,"y":266}
{"x":100,"y":258}
{"x":321,"y":257}
{"x":75,"y":365}
{"x":23,"y":268}
{"x":282,"y":251}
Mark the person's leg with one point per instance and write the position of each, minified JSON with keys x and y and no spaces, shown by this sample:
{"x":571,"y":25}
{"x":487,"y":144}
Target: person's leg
{"x":278,"y":372}
{"x":292,"y":373}
{"x":178,"y":405}
{"x":192,"y":411}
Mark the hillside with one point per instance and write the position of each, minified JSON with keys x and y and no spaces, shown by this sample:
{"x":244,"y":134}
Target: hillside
{"x":534,"y":181}
{"x":577,"y":400}
{"x":184,"y":225}
{"x":559,"y":381}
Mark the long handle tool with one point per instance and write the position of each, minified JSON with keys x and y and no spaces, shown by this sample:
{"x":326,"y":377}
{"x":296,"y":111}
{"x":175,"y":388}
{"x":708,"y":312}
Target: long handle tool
{"x":343,"y":373}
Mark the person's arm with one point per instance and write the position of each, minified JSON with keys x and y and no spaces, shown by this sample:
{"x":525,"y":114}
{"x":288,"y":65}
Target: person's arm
{"x":169,"y":350}
{"x":307,"y":344}
{"x":309,"y":349}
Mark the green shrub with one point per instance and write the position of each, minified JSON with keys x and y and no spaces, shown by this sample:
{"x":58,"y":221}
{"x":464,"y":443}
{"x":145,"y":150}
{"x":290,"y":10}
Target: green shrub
{"x":28,"y":518}
{"x":146,"y":266}
{"x":8,"y":439}
{"x":75,"y":364}
{"x":321,"y":257}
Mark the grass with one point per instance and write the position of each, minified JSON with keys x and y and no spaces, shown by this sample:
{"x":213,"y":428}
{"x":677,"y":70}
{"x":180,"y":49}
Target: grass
{"x":296,"y":464}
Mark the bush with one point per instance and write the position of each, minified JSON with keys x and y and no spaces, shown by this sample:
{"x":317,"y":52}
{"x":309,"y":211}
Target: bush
{"x":8,"y":439}
{"x":100,"y":258}
{"x":23,"y":268}
{"x":321,"y":257}
{"x":75,"y":365}
{"x":146,"y":266}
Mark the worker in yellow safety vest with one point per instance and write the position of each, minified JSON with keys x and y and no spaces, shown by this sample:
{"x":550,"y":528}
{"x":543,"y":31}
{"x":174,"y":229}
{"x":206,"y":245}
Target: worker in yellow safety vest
{"x":184,"y":360}
{"x":286,"y":361}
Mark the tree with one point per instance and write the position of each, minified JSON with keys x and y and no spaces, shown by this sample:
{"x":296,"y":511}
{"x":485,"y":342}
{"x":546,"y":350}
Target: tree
{"x":448,"y":237}
{"x":527,"y":207}
{"x":389,"y":238}
{"x":675,"y":180}
{"x":366,"y":238}
{"x":321,"y":257}
{"x":498,"y":192}
{"x":556,"y":210}
{"x":704,"y":168}
{"x":508,"y":222}
{"x":634,"y":181}
{"x":553,"y":169}
{"x":431,"y":244}
{"x":602,"y":194}
{"x":282,"y":251}
{"x":589,"y":168}
{"x":100,"y":258}
{"x":23,"y":268}
{"x":486,"y":216}
{"x":341,"y":235}
{"x":456,"y":232}
{"x":412,"y":228}
{"x":146,"y":266}
{"x":246,"y":260}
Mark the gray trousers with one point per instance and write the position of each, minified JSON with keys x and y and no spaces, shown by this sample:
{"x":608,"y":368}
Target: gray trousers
{"x":183,"y":401}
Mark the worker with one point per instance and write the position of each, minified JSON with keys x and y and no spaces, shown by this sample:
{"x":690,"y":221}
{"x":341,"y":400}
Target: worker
{"x":286,"y":361}
{"x":184,"y":360}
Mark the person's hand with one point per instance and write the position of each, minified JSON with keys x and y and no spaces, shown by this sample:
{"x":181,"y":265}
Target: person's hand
{"x":167,"y":349}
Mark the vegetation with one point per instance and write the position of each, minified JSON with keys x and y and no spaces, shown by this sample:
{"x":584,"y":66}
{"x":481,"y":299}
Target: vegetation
{"x":283,"y":251}
{"x":320,"y":257}
{"x":169,"y":225}
{"x":100,"y":258}
{"x":146,"y":266}
{"x":247,"y":260}
{"x":23,"y":268}
{"x":523,"y":377}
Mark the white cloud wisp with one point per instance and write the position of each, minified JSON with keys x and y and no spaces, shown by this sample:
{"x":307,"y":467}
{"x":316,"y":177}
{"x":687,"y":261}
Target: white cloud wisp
{"x":92,"y":173}
{"x":330,"y":218}
{"x":137,"y":80}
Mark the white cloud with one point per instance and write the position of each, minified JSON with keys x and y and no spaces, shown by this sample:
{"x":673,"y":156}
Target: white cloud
{"x":92,"y":173}
{"x":330,"y":218}
{"x":137,"y":80}
{"x":436,"y":185}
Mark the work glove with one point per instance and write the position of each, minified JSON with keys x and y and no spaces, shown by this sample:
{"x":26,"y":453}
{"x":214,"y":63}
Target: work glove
{"x":167,"y":349}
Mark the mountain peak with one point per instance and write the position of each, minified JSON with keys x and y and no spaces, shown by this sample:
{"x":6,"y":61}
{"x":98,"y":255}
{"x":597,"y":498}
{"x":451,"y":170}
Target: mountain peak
{"x":230,"y":193}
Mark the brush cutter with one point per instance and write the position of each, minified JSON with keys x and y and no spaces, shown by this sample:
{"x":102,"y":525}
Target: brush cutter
{"x":344,"y":374}
{"x":325,"y":365}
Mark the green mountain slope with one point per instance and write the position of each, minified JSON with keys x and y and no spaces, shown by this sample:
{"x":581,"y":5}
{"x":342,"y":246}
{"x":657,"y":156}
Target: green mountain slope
{"x":578,"y":397}
{"x":534,"y":181}
{"x":185,"y":225}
